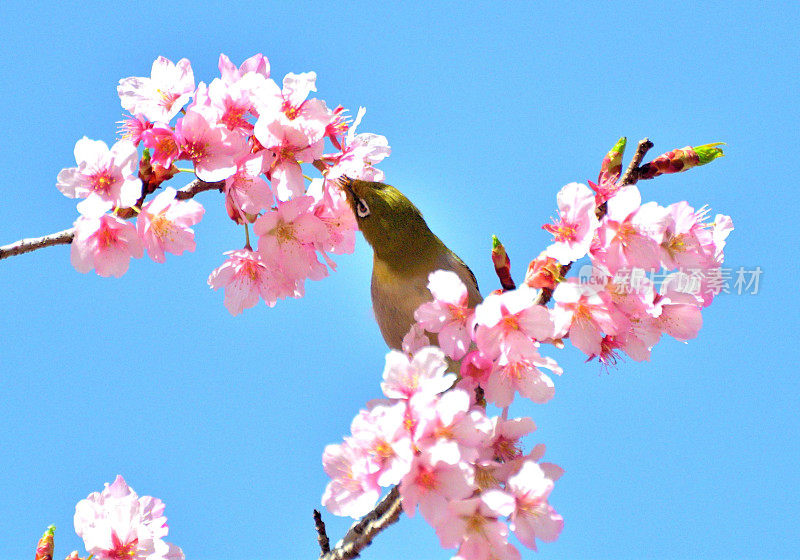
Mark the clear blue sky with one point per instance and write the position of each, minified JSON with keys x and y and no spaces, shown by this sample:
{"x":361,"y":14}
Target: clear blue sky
{"x":489,"y":110}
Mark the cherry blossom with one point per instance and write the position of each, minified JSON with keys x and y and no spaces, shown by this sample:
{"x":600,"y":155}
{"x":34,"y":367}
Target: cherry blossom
{"x":358,"y":154}
{"x":287,"y":238}
{"x":473,"y":525}
{"x":431,"y":485}
{"x":517,"y":371}
{"x":425,"y":371}
{"x":575,"y":227}
{"x":511,"y":320}
{"x":213,"y":148}
{"x":161,"y":96}
{"x":245,"y":191}
{"x":116,"y":523}
{"x":104,"y":243}
{"x":631,"y":233}
{"x":352,"y":490}
{"x":104,"y":177}
{"x":533,"y":517}
{"x":587,"y":312}
{"x":163,"y":144}
{"x":448,"y":314}
{"x":381,"y":433}
{"x":164,"y":224}
{"x":245,"y":278}
{"x":257,"y":64}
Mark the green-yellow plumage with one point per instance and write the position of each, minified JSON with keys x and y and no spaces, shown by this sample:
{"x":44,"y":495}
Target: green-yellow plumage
{"x":406,"y":251}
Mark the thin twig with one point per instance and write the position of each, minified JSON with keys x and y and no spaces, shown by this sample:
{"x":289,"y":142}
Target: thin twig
{"x":66,"y":236}
{"x":322,"y":536}
{"x":631,"y":175}
{"x":362,"y":532}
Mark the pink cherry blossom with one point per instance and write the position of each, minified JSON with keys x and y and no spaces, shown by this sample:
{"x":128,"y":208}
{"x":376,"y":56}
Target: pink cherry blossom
{"x":685,"y":236}
{"x":353,"y":490}
{"x":213,"y":148}
{"x":511,"y":320}
{"x":448,"y":314}
{"x":518,"y":371}
{"x":233,"y":103}
{"x":105,"y":178}
{"x":473,"y":525}
{"x":245,"y":278}
{"x":290,"y":108}
{"x":381,"y":433}
{"x":533,"y":518}
{"x":503,"y":444}
{"x":678,"y":310}
{"x":424,"y":372}
{"x":587,"y":311}
{"x":433,"y":485}
{"x":116,"y":523}
{"x":291,"y":147}
{"x":132,"y":128}
{"x":245,"y":191}
{"x":576,"y":224}
{"x":257,"y":64}
{"x":359,"y":154}
{"x":104,"y":243}
{"x":630,"y":233}
{"x":475,"y":370}
{"x":414,"y":339}
{"x":161,"y":96}
{"x":332,"y":208}
{"x":164,"y":224}
{"x":287,"y":237}
{"x":451,"y":430}
{"x":163,"y":144}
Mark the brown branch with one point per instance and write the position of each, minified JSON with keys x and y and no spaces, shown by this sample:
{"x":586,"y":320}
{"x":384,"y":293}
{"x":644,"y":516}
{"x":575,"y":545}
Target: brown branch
{"x":196,"y":187}
{"x":322,"y":536}
{"x":631,"y":175}
{"x":27,"y":245}
{"x":362,"y":532}
{"x":66,"y":236}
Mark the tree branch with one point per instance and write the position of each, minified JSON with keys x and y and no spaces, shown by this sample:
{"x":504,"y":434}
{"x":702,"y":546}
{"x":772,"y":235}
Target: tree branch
{"x":360,"y":535}
{"x":631,"y":175}
{"x":66,"y":236}
{"x":322,"y":535}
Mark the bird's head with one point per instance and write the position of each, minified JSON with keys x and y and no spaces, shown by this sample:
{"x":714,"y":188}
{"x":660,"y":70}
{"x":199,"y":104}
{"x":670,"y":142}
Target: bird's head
{"x":390,"y":222}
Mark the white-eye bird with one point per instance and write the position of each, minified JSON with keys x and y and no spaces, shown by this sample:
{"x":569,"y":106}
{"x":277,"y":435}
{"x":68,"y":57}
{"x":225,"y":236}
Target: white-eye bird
{"x":405,"y":251}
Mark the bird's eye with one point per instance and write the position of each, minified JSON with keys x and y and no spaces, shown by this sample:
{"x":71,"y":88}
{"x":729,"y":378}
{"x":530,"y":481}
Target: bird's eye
{"x":362,"y":210}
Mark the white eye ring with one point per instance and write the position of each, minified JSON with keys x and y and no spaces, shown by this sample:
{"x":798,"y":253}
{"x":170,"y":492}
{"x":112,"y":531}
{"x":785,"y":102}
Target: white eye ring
{"x":362,"y":210}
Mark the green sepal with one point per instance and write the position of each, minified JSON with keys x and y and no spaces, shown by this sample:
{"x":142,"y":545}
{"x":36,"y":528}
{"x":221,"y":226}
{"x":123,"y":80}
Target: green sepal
{"x":709,"y":152}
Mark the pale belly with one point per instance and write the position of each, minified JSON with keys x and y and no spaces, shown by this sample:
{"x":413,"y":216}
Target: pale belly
{"x":395,"y":298}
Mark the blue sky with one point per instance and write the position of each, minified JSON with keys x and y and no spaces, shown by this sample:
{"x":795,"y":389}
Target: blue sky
{"x":489,"y":109}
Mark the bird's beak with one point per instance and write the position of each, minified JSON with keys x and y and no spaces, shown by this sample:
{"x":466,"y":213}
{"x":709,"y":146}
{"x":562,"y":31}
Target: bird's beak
{"x":345,"y":184}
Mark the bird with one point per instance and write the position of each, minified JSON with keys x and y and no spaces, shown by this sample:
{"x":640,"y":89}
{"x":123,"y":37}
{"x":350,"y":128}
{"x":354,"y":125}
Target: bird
{"x":405,"y":252}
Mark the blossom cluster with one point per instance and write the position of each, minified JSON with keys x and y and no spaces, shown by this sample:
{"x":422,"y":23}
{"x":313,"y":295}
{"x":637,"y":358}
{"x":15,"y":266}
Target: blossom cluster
{"x":465,"y":470}
{"x":604,"y":316}
{"x":432,"y":435}
{"x":117,"y":523}
{"x":243,"y":129}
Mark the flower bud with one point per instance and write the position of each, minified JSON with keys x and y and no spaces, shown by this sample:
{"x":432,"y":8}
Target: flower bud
{"x":543,"y":272}
{"x":153,"y":174}
{"x":681,"y":160}
{"x":611,"y":168}
{"x":44,"y":549}
{"x":502,"y":264}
